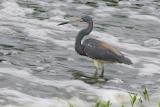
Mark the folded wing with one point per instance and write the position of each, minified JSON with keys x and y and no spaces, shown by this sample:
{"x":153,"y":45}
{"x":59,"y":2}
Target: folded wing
{"x":103,"y":51}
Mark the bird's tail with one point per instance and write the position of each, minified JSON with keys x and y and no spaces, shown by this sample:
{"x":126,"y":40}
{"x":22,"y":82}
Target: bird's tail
{"x":126,"y":60}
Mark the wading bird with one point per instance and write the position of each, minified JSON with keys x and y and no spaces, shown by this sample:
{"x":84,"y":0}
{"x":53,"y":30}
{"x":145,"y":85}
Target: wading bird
{"x":100,"y":52}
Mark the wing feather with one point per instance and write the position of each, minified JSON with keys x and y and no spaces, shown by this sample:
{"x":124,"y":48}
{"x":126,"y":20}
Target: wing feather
{"x":100,"y":50}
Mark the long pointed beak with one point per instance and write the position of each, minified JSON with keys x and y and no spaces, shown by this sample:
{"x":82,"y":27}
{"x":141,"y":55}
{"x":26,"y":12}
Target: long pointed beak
{"x":77,"y":20}
{"x":63,"y":23}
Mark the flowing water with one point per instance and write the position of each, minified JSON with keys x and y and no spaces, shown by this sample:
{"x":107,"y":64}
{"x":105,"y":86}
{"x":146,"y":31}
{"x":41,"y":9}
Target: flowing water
{"x":38,"y":64}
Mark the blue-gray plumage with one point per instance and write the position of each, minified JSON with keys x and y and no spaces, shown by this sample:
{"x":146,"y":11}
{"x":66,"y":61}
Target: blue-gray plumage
{"x":100,"y":52}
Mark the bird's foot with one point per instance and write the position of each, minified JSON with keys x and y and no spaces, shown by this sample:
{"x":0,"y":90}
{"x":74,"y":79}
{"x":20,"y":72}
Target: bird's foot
{"x":102,"y":74}
{"x":96,"y":75}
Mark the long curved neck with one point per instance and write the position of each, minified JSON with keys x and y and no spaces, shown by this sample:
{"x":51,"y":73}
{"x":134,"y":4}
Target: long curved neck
{"x":78,"y":46}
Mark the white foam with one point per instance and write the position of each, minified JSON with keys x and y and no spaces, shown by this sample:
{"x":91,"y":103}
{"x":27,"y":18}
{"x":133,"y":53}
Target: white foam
{"x":27,"y":76}
{"x":57,"y":18}
{"x":69,"y":1}
{"x":64,"y":43}
{"x":145,"y":17}
{"x":81,"y":7}
{"x":129,"y":41}
{"x":31,"y":101}
{"x":104,"y":11}
{"x":152,"y":42}
{"x":13,"y":71}
{"x":136,"y":47}
{"x":6,"y":30}
{"x":13,"y":9}
{"x":149,"y":69}
{"x":150,"y":59}
{"x":116,"y":80}
{"x":124,"y":3}
{"x":116,"y":97}
{"x":17,"y":96}
{"x":37,"y":33}
{"x":45,"y":34}
{"x":105,"y":94}
{"x":57,"y":12}
{"x":70,"y":59}
{"x":105,"y":36}
{"x":59,"y":4}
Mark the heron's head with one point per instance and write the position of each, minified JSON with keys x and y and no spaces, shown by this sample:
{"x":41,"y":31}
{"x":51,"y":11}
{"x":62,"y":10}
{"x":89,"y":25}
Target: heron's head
{"x":86,"y":18}
{"x":82,"y":19}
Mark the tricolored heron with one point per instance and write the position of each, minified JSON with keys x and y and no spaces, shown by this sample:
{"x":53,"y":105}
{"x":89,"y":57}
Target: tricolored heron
{"x":100,"y":52}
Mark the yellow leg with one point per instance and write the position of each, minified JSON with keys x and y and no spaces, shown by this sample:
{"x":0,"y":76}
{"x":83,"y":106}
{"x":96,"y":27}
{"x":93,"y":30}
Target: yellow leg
{"x":99,"y":65}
